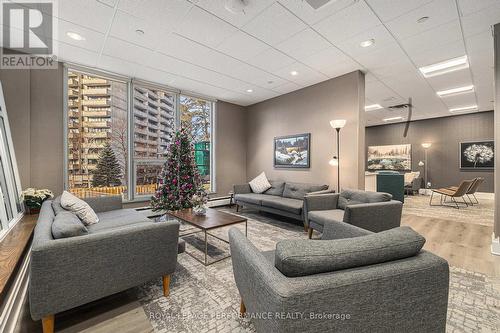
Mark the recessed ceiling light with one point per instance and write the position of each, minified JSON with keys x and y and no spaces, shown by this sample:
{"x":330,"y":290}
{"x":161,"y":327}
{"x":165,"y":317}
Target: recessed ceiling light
{"x":422,"y":19}
{"x":447,"y":66}
{"x":139,"y":31}
{"x":464,"y":108}
{"x":454,"y":91}
{"x":372,"y":107}
{"x":393,"y":119}
{"x":294,"y":73}
{"x":367,"y":43}
{"x":249,"y":90}
{"x":74,"y":35}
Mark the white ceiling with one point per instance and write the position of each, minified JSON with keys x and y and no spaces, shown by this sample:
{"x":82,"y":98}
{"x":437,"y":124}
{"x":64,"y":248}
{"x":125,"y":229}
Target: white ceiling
{"x":201,"y":47}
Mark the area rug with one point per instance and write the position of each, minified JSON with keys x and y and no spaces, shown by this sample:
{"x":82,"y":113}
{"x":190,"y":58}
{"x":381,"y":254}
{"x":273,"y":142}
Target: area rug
{"x":205,"y":299}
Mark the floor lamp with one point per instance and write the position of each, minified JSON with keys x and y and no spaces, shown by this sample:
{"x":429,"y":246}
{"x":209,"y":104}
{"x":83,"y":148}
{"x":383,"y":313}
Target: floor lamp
{"x":426,"y":146}
{"x":335,"y":161}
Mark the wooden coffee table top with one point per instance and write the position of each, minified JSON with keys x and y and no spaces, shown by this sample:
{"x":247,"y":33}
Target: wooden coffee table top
{"x":212,"y":219}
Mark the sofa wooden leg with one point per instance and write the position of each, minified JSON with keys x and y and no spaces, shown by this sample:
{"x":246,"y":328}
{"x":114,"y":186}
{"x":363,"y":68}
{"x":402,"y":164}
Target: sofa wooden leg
{"x":166,"y":285}
{"x":237,"y":208}
{"x":243,"y":309}
{"x":306,"y":228}
{"x":310,"y":232}
{"x":48,"y":324}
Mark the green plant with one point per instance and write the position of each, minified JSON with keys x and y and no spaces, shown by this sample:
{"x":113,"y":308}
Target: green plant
{"x":34,"y":198}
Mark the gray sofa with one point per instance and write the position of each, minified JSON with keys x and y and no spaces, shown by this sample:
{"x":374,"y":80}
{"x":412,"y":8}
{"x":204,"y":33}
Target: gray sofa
{"x":124,"y":249}
{"x":283,"y":198}
{"x":373,"y":211}
{"x":379,"y":282}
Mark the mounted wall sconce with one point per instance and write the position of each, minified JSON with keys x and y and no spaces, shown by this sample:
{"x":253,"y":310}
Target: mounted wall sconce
{"x":337,"y":124}
{"x":426,"y":146}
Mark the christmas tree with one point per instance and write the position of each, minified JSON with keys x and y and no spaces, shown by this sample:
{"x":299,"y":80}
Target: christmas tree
{"x":179,"y":179}
{"x":108,"y":171}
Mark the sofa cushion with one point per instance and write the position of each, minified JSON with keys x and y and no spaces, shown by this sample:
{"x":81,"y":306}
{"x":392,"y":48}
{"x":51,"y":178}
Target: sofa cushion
{"x":325,"y":216}
{"x":56,"y":205}
{"x":260,"y":183}
{"x":276,"y":188}
{"x":66,"y":224}
{"x":253,"y":198}
{"x":287,"y":204}
{"x":353,"y":197}
{"x":299,"y":190}
{"x":79,"y":207}
{"x":117,"y":218}
{"x":305,"y":257}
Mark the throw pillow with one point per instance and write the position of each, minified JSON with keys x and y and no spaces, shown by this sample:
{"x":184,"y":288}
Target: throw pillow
{"x":79,"y":207}
{"x":66,"y":224}
{"x":56,"y":205}
{"x":276,"y":188}
{"x":260,"y":183}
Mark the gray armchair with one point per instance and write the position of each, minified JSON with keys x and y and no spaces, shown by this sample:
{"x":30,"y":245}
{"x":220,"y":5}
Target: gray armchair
{"x":124,"y":249}
{"x":408,"y":294}
{"x":373,"y":211}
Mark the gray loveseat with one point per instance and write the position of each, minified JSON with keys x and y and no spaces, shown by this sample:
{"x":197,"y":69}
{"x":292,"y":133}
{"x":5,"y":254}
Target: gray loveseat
{"x":379,"y":282}
{"x":283,"y":198}
{"x":124,"y":249}
{"x":373,"y":211}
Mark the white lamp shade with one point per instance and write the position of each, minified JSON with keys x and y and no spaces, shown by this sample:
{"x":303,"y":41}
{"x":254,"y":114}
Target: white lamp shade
{"x":338,"y":123}
{"x":426,"y":145}
{"x":334,"y":161}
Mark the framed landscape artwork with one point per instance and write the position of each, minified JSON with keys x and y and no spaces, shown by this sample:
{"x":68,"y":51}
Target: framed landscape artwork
{"x":389,"y":157}
{"x":477,"y":155}
{"x":292,"y":151}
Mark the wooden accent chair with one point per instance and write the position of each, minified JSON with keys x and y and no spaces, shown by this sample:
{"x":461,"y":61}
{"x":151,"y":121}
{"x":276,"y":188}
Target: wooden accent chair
{"x":472,"y":190}
{"x":459,"y":192}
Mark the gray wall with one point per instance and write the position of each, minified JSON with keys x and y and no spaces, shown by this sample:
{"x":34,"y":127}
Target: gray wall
{"x":34,"y":104}
{"x":230,"y":148}
{"x":310,"y":110}
{"x":445,"y":134}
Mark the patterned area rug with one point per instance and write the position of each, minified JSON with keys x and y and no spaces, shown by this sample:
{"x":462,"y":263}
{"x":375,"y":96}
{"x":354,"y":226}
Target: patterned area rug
{"x":205,"y":299}
{"x":478,"y":214}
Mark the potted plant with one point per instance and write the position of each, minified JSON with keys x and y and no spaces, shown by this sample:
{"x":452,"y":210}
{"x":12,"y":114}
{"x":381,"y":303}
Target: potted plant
{"x":199,"y":202}
{"x":33,"y":199}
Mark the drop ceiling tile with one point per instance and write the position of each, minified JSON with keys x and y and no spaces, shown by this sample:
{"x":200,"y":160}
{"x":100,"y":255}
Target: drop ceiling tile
{"x":310,"y":15}
{"x":93,"y":39}
{"x":116,"y":65}
{"x":110,"y":3}
{"x":125,"y":25}
{"x":388,"y":54}
{"x":274,"y":25}
{"x":242,"y":46}
{"x":166,"y":14}
{"x":90,"y":14}
{"x":252,"y":9}
{"x":287,"y":87}
{"x":154,"y":75}
{"x":205,"y":28}
{"x":462,"y":99}
{"x":481,"y":21}
{"x":72,"y":54}
{"x":306,"y":76}
{"x":324,"y":60}
{"x":347,"y":23}
{"x":254,"y":75}
{"x":441,"y":53}
{"x":390,"y":9}
{"x":451,"y":80}
{"x":439,"y":12}
{"x":433,"y":38}
{"x":303,"y":44}
{"x":271,"y":60}
{"x":118,"y":48}
{"x":182,"y":48}
{"x":468,"y":7}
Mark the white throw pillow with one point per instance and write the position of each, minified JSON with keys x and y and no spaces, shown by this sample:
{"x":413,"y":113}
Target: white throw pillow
{"x":260,"y":183}
{"x":79,"y":207}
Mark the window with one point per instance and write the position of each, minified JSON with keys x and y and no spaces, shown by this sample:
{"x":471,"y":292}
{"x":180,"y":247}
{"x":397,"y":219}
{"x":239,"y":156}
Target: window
{"x":154,"y":123}
{"x":10,"y":188}
{"x":196,"y":114}
{"x":97,"y":135}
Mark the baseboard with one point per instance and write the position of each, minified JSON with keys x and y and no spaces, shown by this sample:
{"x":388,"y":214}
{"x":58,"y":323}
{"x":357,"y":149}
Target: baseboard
{"x":495,"y":245}
{"x":13,"y":302}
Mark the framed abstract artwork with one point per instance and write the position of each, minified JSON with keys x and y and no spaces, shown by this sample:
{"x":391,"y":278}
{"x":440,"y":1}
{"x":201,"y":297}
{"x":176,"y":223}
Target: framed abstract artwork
{"x":477,"y":155}
{"x":389,"y":157}
{"x":292,"y":151}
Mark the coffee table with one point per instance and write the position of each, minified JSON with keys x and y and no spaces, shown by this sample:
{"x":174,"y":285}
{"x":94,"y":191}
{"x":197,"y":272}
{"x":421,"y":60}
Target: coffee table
{"x":213,"y":219}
